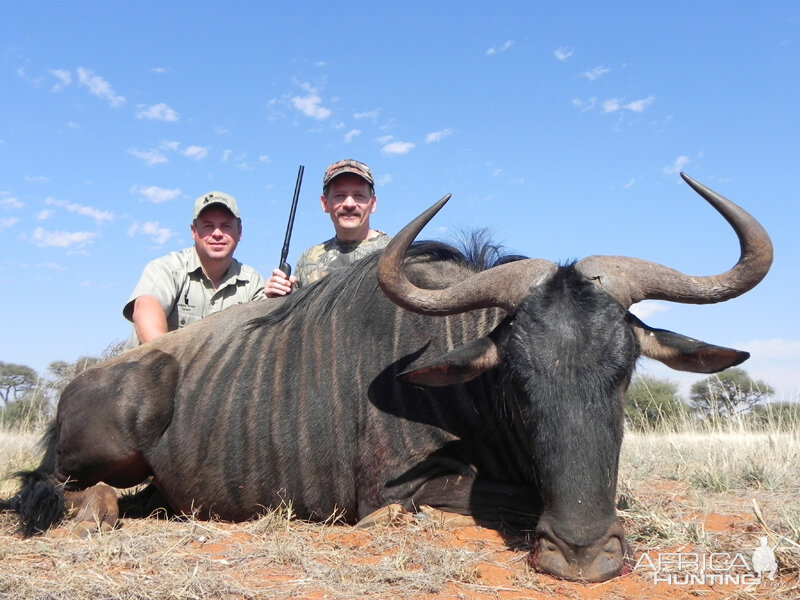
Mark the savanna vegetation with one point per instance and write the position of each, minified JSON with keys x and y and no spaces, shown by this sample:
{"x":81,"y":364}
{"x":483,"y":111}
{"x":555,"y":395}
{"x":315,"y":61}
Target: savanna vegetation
{"x":706,"y":475}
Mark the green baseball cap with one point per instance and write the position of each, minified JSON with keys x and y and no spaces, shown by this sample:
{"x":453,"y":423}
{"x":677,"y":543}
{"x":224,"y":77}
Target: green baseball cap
{"x":212,"y":198}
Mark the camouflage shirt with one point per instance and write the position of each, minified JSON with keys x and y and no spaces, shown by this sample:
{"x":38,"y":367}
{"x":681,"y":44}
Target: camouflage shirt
{"x":322,"y":259}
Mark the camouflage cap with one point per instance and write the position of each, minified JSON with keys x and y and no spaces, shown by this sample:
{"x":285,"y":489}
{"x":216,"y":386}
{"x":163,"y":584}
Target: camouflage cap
{"x":211,"y":198}
{"x":348,"y":165}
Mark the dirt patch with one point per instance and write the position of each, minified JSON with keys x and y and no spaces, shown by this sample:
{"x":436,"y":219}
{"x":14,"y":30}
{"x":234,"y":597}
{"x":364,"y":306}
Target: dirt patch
{"x":277,"y":558}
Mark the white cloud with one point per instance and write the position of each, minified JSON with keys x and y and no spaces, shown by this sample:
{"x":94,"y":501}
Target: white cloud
{"x":157,"y":112}
{"x":563,"y":53}
{"x":86,"y":211}
{"x":195,"y":152}
{"x":503,"y":48}
{"x":62,"y":239}
{"x":595,"y":73}
{"x":311,"y":106}
{"x":370,"y":114}
{"x":9,"y":202}
{"x":677,"y":166}
{"x":44,"y":214}
{"x":263,"y":158}
{"x":438,"y":136}
{"x":150,"y":157}
{"x":155,"y":194}
{"x":168,"y":145}
{"x":351,"y":135}
{"x":611,"y":105}
{"x":34,"y":81}
{"x":397,"y":148}
{"x":775,"y":349}
{"x":64,"y":79}
{"x":8,"y":222}
{"x":647,"y":308}
{"x":584,"y":105}
{"x":100,"y":87}
{"x":51,"y":266}
{"x":159,"y":70}
{"x":37,"y":178}
{"x":226,"y":154}
{"x":640,"y":105}
{"x":152,"y":229}
{"x":775,"y":362}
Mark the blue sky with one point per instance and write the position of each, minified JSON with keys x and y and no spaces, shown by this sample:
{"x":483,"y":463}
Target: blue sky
{"x":561,"y":128}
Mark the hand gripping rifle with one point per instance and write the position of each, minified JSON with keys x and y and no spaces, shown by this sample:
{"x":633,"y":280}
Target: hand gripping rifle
{"x":284,"y":266}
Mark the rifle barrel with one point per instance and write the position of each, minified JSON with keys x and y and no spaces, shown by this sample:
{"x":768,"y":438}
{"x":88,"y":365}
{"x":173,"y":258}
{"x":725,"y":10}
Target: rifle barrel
{"x":284,"y":266}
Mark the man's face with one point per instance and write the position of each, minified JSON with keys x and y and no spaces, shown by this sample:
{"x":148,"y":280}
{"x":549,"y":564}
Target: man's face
{"x":349,"y":202}
{"x":216,"y":233}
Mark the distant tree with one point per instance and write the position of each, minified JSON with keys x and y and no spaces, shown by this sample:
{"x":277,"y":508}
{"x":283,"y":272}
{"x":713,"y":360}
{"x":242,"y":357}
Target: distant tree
{"x":728,"y":394}
{"x":652,"y":402}
{"x":27,"y":412}
{"x":776,"y":415}
{"x":63,"y":372}
{"x":15,"y":380}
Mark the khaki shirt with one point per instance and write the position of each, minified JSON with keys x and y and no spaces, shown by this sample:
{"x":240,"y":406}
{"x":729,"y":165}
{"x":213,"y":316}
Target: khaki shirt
{"x":186,"y":294}
{"x":322,"y":259}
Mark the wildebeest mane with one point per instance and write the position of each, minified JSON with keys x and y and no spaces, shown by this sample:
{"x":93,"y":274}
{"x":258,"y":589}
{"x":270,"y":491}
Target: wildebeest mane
{"x":357,"y":284}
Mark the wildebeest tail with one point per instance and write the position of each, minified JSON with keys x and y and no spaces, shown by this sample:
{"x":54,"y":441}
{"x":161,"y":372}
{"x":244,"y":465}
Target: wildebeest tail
{"x":39,"y":503}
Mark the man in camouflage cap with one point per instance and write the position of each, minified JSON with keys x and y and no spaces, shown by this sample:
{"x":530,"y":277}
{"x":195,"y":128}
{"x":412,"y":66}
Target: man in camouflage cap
{"x":348,"y":196}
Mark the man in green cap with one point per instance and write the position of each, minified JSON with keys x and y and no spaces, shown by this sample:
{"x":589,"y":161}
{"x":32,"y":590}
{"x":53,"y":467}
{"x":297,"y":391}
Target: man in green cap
{"x":183,"y":287}
{"x":348,"y":196}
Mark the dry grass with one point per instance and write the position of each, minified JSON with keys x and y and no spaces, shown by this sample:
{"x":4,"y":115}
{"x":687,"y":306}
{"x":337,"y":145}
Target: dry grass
{"x":666,"y":502}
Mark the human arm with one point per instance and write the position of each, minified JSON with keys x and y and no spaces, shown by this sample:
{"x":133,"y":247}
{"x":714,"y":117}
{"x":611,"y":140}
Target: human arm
{"x":149,"y":319}
{"x":155,"y":295}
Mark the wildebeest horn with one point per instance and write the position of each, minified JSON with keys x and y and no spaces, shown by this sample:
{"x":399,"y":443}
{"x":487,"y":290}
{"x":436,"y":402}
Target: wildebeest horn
{"x":503,"y":286}
{"x":628,"y":280}
{"x":631,"y":280}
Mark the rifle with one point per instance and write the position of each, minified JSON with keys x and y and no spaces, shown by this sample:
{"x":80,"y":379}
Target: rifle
{"x":284,"y":266}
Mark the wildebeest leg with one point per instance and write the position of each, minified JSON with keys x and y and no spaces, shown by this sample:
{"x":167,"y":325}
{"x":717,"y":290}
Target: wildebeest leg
{"x":108,"y":418}
{"x":484,"y":501}
{"x":94,"y":509}
{"x":445,"y":519}
{"x":391,"y":514}
{"x":396,"y":514}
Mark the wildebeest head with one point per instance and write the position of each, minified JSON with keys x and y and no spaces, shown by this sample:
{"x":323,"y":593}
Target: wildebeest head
{"x":566,"y":352}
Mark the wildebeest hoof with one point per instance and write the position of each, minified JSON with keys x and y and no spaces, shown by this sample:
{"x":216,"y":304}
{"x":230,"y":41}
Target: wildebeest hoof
{"x":448,"y":520}
{"x":391,"y":514}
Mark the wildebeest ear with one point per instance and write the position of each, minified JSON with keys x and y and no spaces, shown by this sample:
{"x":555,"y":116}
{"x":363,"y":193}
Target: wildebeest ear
{"x":684,"y":353}
{"x":457,"y":366}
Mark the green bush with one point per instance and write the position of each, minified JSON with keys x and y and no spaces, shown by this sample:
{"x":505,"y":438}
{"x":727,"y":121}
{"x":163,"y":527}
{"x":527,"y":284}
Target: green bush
{"x":27,"y":413}
{"x":652,"y":403}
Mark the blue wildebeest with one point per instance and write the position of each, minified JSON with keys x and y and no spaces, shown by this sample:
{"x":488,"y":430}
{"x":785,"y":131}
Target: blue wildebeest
{"x":495,"y":392}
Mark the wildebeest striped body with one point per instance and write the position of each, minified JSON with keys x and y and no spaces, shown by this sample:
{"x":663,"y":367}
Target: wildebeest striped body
{"x":301,"y":393}
{"x":494,"y":392}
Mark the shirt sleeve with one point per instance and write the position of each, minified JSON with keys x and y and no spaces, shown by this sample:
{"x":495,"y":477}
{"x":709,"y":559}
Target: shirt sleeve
{"x":259,"y":283}
{"x":157,"y":280}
